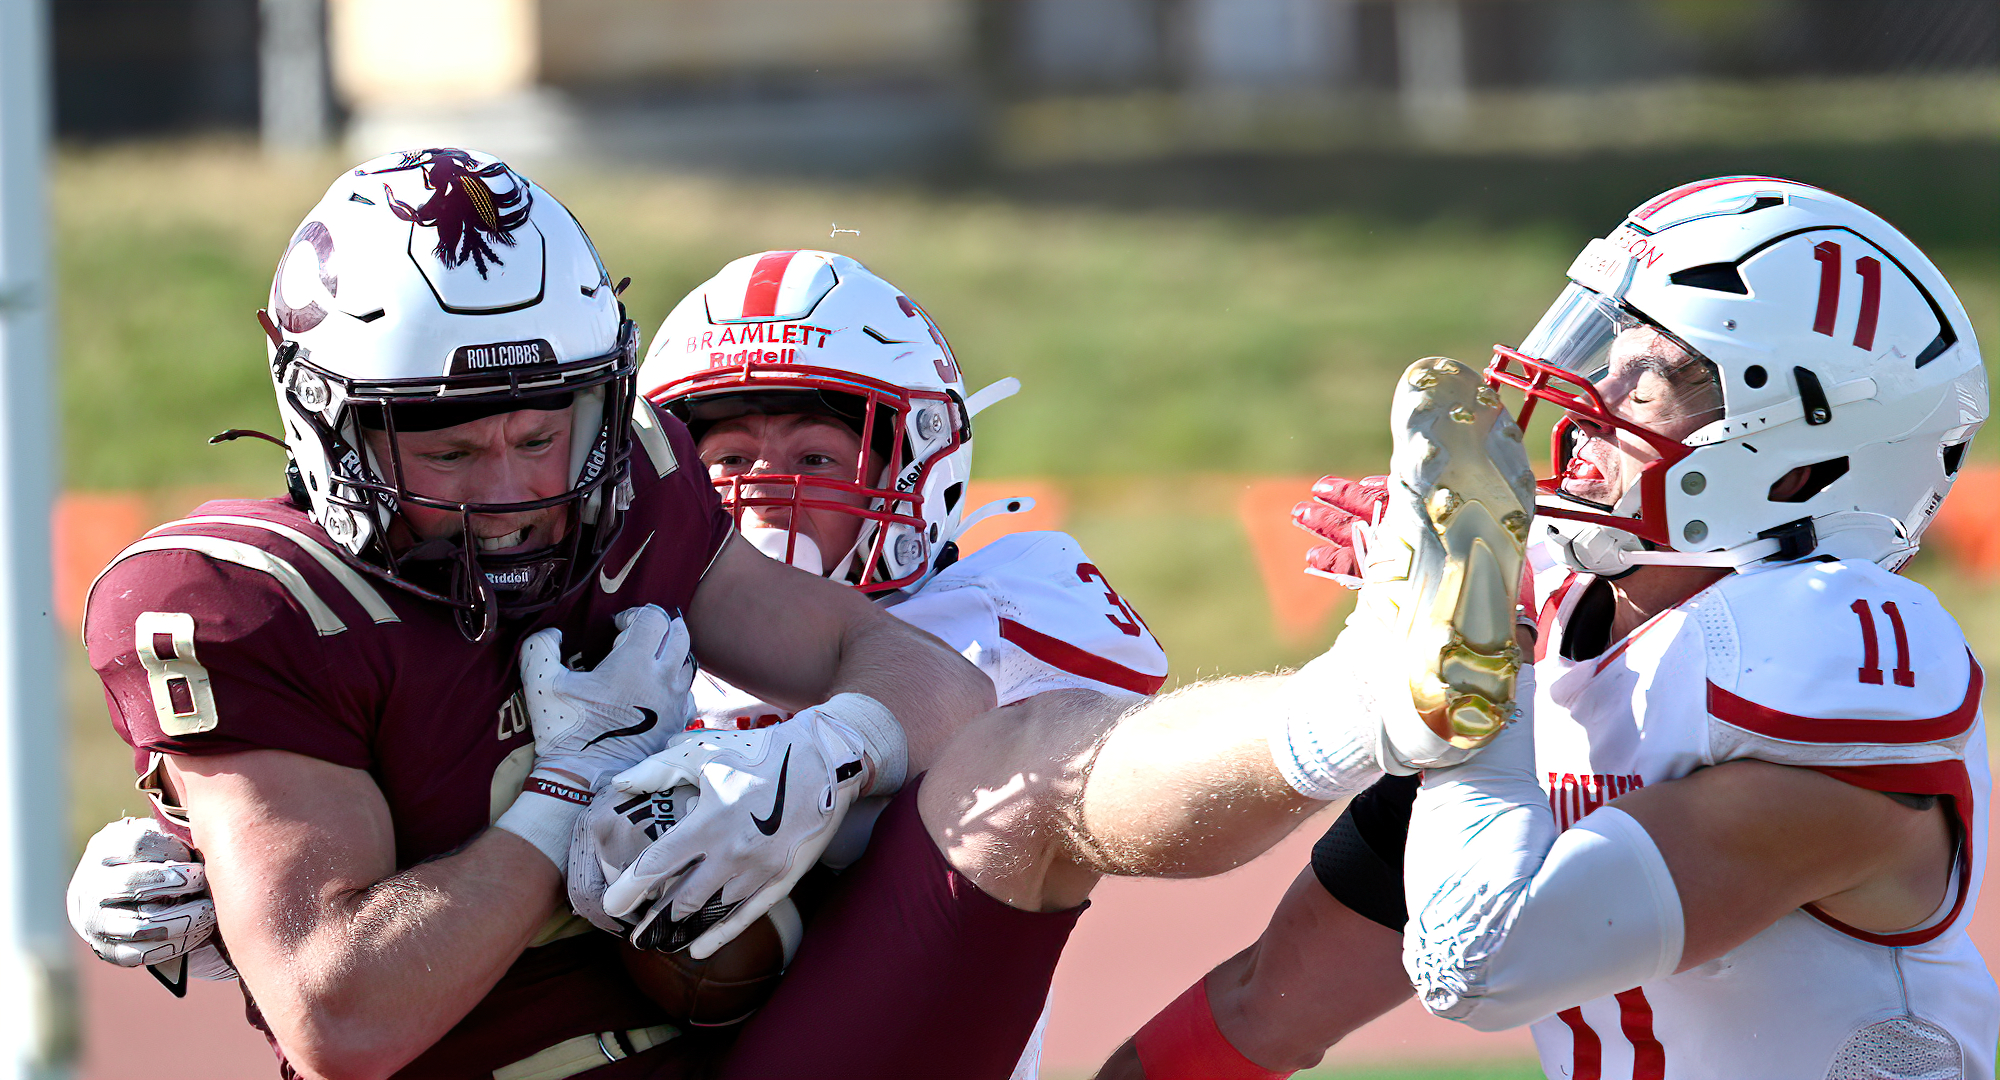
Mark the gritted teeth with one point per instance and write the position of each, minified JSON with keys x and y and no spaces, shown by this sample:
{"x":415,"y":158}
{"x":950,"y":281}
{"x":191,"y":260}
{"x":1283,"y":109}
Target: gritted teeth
{"x":503,"y":541}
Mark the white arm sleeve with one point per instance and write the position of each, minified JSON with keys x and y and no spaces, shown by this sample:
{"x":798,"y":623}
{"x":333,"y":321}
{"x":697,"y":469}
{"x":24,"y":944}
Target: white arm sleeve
{"x":1510,"y":923}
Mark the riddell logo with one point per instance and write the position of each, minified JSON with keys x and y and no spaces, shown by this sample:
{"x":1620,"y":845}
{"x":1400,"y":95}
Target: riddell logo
{"x":1572,"y":795}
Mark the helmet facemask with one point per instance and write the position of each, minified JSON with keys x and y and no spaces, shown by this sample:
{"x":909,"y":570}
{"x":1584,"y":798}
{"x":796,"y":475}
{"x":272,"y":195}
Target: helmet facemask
{"x":1588,"y":347}
{"x":362,"y":506}
{"x":902,"y":434}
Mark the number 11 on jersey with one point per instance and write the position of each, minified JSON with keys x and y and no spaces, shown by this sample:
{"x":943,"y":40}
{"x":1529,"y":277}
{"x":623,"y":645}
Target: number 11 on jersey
{"x":1871,"y":651}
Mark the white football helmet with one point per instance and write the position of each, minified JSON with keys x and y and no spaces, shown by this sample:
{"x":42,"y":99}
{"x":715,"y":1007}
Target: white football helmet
{"x":431,"y":288}
{"x":813,"y":331}
{"x":1836,"y":346}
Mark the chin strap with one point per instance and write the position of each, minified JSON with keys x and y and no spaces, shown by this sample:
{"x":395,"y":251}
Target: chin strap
{"x":1848,"y":534}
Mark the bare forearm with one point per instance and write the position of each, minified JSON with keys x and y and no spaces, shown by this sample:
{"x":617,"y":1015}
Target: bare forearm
{"x":933,"y":691}
{"x":1185,"y":785}
{"x":375,"y":975}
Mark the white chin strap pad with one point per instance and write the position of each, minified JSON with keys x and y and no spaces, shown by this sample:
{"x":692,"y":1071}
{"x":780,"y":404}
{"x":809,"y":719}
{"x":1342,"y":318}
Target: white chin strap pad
{"x":1510,"y":923}
{"x":772,"y":542}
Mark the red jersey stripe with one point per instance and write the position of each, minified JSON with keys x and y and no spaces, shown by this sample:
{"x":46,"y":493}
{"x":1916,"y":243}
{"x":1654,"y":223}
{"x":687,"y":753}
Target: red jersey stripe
{"x":1635,"y":1017}
{"x":1587,"y":1057}
{"x":1774,"y":724}
{"x":760,"y":299}
{"x":1059,"y":653}
{"x":1545,"y":620}
{"x":1934,"y":778}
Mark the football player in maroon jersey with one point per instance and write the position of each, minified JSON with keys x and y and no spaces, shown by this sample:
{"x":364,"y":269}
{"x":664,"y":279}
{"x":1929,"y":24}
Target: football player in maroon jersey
{"x":322,"y":693}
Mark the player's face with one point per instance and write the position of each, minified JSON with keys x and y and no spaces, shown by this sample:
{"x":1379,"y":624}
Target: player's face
{"x":1654,"y":383}
{"x":800,"y":444}
{"x":509,"y":457}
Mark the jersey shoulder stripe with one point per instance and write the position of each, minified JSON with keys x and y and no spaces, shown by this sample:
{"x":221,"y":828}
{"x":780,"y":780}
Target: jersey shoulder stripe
{"x":1776,"y":724}
{"x":1061,"y":654}
{"x":653,"y":439}
{"x":324,"y":621}
{"x":357,"y":586}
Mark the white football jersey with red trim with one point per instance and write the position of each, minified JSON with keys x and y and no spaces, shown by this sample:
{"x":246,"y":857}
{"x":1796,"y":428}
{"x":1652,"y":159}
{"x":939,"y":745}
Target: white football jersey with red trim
{"x":1030,"y":609}
{"x":1840,"y":667}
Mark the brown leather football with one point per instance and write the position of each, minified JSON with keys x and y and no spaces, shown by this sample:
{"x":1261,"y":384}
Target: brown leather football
{"x":723,"y":989}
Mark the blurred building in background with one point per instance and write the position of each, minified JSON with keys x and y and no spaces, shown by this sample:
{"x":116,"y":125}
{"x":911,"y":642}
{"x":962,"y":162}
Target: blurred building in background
{"x":888,"y":86}
{"x":1265,"y":105}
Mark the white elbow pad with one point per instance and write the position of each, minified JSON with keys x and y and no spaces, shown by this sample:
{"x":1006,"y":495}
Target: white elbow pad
{"x":1601,"y":915}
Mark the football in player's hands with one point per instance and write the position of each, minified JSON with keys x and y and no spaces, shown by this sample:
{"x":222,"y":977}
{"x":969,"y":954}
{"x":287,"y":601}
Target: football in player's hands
{"x":728,"y":986}
{"x":1338,"y":505}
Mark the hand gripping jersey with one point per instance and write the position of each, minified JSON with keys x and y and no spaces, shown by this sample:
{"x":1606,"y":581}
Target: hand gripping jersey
{"x":1029,"y":609}
{"x":239,"y":628}
{"x":1840,"y":667}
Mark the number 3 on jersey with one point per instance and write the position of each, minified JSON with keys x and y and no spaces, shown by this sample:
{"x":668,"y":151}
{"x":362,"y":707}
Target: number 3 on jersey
{"x":1871,"y":649}
{"x":1131,"y":625}
{"x":182,"y":699}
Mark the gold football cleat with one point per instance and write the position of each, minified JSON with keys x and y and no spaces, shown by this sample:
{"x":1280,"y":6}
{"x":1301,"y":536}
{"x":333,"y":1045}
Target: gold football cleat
{"x":1450,"y":549}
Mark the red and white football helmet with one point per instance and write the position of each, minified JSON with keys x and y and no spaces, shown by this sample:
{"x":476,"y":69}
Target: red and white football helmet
{"x":1837,"y":347}
{"x":784,"y":325}
{"x":429,"y":288}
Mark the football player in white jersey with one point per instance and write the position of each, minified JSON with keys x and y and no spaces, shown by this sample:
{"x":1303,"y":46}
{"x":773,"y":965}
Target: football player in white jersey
{"x":1744,"y":832}
{"x":834,"y":421}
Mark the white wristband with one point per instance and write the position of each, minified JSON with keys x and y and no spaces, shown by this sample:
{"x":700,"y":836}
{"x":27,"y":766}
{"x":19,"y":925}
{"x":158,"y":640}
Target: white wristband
{"x":545,"y":821}
{"x":881,"y":737}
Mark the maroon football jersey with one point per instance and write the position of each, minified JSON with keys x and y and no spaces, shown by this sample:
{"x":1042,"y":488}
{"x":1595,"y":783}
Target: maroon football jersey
{"x":238,"y":628}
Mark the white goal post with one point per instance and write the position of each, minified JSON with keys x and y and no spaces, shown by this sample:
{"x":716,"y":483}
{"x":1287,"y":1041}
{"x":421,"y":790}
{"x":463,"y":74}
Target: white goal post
{"x":37,"y":979}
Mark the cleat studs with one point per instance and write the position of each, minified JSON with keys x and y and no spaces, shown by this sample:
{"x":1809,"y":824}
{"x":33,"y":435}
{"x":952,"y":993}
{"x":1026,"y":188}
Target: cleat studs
{"x":1448,"y":367}
{"x":1443,"y":503}
{"x":1489,"y":397}
{"x":1462,"y":414}
{"x":1423,"y":380}
{"x":1516,"y":524}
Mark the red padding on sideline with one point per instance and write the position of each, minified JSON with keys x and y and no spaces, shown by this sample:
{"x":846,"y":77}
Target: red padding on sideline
{"x":1182,"y":1042}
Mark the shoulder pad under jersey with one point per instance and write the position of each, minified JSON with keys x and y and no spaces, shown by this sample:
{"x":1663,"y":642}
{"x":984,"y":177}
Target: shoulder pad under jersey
{"x":1036,"y":615}
{"x":1835,"y":664}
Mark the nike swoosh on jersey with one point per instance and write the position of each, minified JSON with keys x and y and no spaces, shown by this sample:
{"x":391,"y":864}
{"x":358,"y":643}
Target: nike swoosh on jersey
{"x":640,"y":728}
{"x":612,"y":584}
{"x":769,"y":826}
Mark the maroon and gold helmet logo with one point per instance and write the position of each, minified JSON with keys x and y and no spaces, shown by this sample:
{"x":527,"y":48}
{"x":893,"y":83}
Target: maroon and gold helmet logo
{"x":464,"y":207}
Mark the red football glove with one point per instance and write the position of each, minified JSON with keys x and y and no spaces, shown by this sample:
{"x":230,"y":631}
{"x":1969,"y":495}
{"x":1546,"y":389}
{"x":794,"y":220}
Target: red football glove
{"x":1336,"y":506}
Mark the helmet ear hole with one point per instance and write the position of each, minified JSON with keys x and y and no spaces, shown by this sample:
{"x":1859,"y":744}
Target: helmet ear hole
{"x":1954,"y":456}
{"x":1806,"y":481}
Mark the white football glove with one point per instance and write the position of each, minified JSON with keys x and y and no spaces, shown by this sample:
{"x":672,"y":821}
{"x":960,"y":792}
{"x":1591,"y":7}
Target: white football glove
{"x":590,"y":724}
{"x":139,"y":898}
{"x":610,"y":835}
{"x":769,"y":803}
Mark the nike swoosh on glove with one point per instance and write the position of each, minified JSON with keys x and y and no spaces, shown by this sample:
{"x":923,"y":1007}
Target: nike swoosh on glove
{"x":770,"y":801}
{"x":139,"y":898}
{"x":1341,"y":511}
{"x":589,"y":725}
